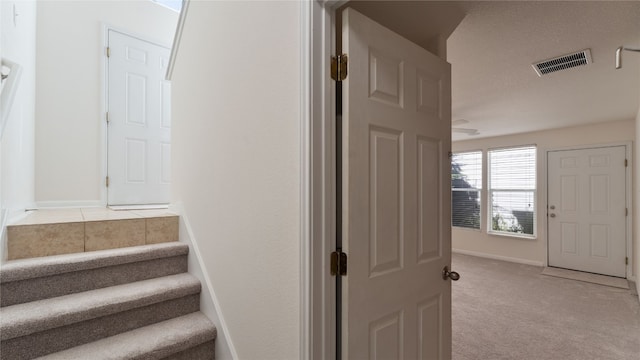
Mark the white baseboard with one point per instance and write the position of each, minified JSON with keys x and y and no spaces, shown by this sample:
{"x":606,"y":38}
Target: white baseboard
{"x":634,"y":289}
{"x":68,"y":204}
{"x":4,"y":216}
{"x":209,"y":304}
{"x":498,"y":257}
{"x":138,"y":207}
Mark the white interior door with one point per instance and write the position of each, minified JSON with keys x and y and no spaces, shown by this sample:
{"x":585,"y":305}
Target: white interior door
{"x":587,"y":205}
{"x":396,"y":196}
{"x":139,"y":128}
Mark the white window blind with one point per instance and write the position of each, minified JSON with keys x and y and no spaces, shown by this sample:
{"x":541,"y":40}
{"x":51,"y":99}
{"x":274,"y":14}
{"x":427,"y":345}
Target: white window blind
{"x":512,"y":190}
{"x":466,"y":183}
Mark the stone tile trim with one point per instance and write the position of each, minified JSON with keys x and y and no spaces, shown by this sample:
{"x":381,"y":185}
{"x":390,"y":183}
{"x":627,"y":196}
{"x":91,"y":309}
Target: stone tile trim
{"x":30,"y":241}
{"x":161,"y":230}
{"x":44,"y":240}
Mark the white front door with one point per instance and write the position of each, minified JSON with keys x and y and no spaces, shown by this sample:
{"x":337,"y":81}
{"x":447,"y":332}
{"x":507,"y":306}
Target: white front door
{"x":396,"y":196}
{"x":139,"y":127}
{"x":587,"y":205}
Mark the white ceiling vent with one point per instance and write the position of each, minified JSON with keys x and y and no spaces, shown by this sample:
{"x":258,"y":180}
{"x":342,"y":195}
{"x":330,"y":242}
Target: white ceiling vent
{"x":563,"y":62}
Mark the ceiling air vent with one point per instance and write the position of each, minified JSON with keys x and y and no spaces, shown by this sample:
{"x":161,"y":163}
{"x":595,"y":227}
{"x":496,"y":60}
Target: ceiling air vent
{"x":562,"y":62}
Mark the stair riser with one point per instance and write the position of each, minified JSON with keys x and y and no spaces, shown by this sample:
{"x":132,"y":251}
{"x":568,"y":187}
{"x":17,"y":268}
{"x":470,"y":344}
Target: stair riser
{"x":204,"y":351}
{"x":61,"y":338}
{"x":23,"y":291}
{"x":37,"y":240}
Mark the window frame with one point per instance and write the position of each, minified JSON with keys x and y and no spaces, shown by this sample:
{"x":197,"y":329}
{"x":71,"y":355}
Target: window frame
{"x":491,"y":190}
{"x":478,"y":190}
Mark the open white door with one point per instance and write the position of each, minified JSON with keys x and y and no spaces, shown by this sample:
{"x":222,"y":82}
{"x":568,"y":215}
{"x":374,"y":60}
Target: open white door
{"x":396,"y":196}
{"x":139,"y":128}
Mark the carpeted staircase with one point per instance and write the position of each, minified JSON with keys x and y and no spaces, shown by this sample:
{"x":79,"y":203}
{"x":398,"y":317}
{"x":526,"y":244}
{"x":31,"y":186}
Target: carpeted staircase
{"x":128,"y":303}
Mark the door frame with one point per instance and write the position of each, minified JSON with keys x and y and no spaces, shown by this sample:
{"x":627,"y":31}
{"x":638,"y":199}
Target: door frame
{"x":318,"y":212}
{"x":103,"y":132}
{"x":628,"y":145}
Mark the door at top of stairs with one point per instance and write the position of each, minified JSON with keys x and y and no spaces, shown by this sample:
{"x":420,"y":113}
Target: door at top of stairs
{"x":138,"y":121}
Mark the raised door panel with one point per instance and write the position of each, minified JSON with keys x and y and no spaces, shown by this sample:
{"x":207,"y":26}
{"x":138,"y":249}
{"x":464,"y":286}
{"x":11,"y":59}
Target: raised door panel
{"x":165,"y":98}
{"x":568,"y":162}
{"x":600,"y":160}
{"x":386,"y":78}
{"x":429,"y":201}
{"x":165,"y":173}
{"x":429,"y":94}
{"x":134,"y":54}
{"x":568,"y":193}
{"x":569,"y":238}
{"x":386,"y":340}
{"x":599,"y":194}
{"x":430,"y":329}
{"x":136,"y":161}
{"x":386,"y":201}
{"x":599,"y":241}
{"x":136,"y":99}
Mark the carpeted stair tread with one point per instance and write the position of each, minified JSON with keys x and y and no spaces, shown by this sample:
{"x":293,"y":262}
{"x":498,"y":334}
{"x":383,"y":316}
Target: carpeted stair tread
{"x":36,"y":316}
{"x":40,"y":288}
{"x":51,"y":265}
{"x":155,"y":341}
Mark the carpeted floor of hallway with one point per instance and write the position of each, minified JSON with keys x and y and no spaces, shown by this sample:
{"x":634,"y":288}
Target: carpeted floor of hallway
{"x":504,"y":310}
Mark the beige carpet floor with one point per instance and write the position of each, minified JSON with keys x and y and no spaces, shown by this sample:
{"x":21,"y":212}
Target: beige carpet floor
{"x":504,"y":310}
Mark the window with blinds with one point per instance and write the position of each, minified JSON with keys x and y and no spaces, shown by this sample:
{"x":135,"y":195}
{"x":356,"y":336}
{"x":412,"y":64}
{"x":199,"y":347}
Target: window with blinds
{"x":512,"y":191}
{"x":466,"y":183}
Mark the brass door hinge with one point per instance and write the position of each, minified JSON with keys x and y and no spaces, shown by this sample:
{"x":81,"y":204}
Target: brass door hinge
{"x":626,"y":211}
{"x":626,"y":163}
{"x":626,"y":261}
{"x":338,"y":263}
{"x":107,"y":181}
{"x":108,"y":51}
{"x":339,"y":67}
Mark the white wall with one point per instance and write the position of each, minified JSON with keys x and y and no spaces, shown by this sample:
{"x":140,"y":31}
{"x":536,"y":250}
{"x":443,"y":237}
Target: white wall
{"x":69,"y":119}
{"x":235,"y":164}
{"x":527,"y":250}
{"x":18,"y":43}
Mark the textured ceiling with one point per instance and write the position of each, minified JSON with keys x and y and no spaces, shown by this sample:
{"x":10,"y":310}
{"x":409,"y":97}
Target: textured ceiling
{"x":495,"y":88}
{"x":491,"y":50}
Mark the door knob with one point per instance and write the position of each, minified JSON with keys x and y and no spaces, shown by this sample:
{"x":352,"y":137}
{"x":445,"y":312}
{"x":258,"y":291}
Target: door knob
{"x":552,"y":215}
{"x":552,"y":207}
{"x":450,"y":274}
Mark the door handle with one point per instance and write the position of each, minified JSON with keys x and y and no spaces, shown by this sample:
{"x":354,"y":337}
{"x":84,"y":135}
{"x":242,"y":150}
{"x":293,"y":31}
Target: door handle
{"x":450,"y":274}
{"x":552,"y":207}
{"x":552,"y":215}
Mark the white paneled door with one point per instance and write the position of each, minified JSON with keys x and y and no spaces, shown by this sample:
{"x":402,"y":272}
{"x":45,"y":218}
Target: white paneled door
{"x":139,"y":127}
{"x":587,"y":210}
{"x":396,"y":196}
